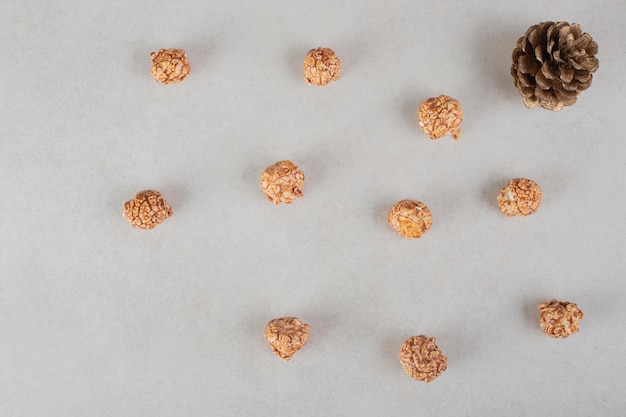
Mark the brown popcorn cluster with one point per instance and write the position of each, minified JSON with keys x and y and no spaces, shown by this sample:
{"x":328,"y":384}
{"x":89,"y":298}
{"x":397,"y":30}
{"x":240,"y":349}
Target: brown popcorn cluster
{"x":421,"y":358}
{"x":321,"y":66}
{"x":282,"y":182}
{"x":439,"y":116}
{"x":286,"y":336}
{"x":410,"y":218}
{"x":520,"y":197}
{"x":169,"y":66}
{"x":147,"y":210}
{"x":559,"y":319}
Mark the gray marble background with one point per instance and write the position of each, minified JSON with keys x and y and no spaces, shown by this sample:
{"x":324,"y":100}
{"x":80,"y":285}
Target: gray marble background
{"x":100,"y":319}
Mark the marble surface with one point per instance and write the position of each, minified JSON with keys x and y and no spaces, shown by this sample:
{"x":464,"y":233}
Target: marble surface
{"x":100,"y":319}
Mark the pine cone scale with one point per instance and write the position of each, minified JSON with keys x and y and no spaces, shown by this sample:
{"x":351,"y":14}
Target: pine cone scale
{"x":574,"y":86}
{"x":536,"y":35}
{"x":547,"y":71}
{"x":586,"y":64}
{"x":527,"y":65}
{"x":526,"y":81}
{"x":583,"y":76}
{"x":567,"y":74}
{"x":530,"y":100}
{"x":567,"y":97}
{"x":539,"y":53}
{"x":542,"y":80}
{"x":547,"y":99}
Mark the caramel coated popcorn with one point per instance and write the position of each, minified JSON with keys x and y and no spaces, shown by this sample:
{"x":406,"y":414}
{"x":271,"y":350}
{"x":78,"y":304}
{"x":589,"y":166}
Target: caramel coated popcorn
{"x":439,"y":116}
{"x":321,"y":66}
{"x":421,"y":358}
{"x":520,"y":197}
{"x":410,"y":218}
{"x":282,"y":182}
{"x":169,"y":66}
{"x":147,"y":210}
{"x":559,"y":319}
{"x":286,"y":336}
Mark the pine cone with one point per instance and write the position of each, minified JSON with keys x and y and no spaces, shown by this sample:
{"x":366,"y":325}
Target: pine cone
{"x":552,"y":64}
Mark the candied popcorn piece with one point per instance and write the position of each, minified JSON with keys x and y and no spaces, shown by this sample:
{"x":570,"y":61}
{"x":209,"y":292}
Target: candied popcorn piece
{"x":410,"y":218}
{"x":286,"y":336}
{"x":421,"y":358}
{"x":169,"y":66}
{"x":321,"y":66}
{"x":520,"y":197}
{"x":282,"y":182}
{"x":559,"y":319}
{"x":147,"y":210}
{"x":439,"y":116}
